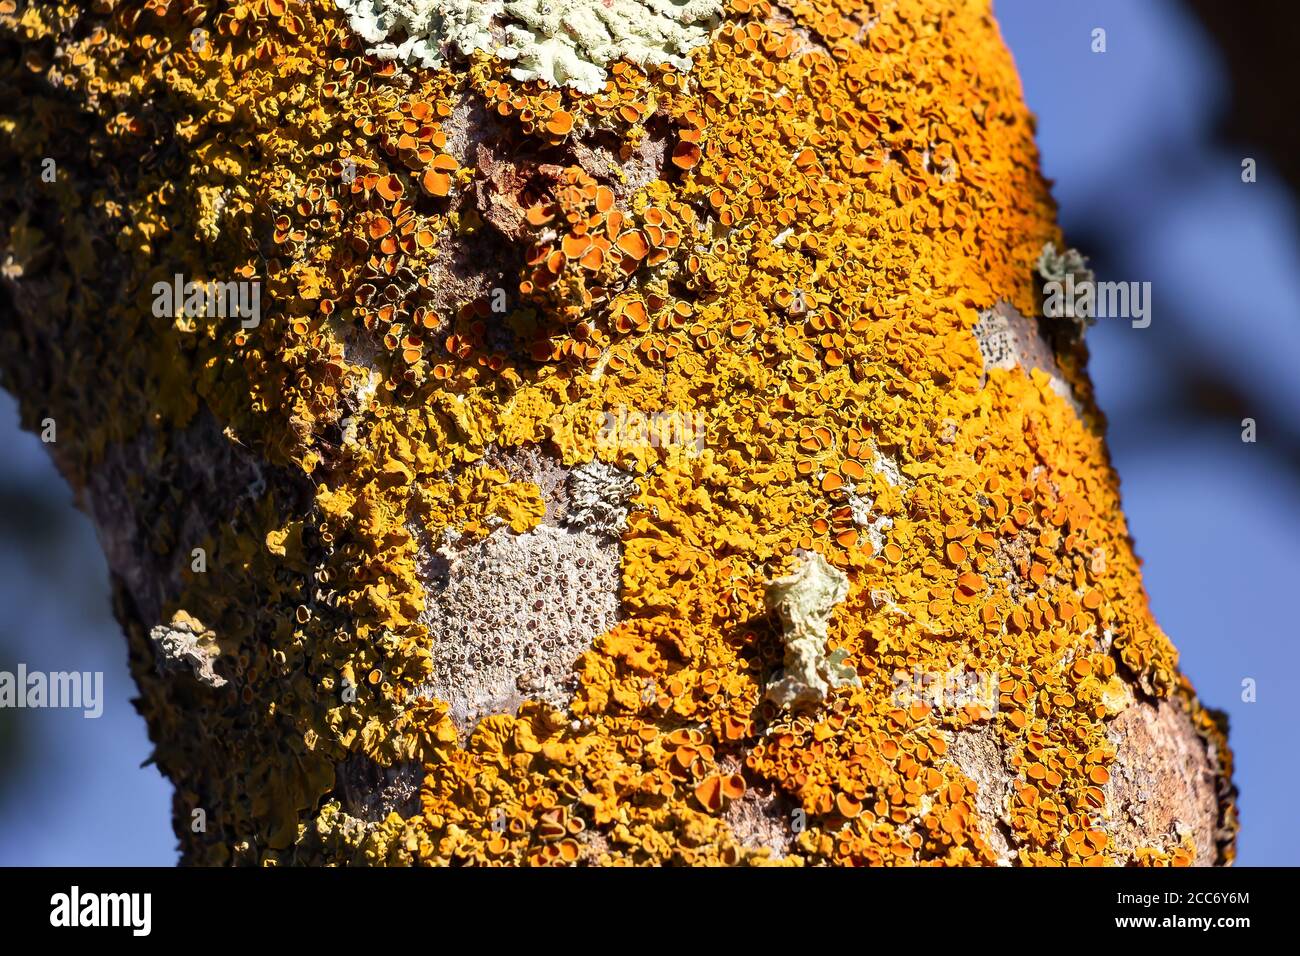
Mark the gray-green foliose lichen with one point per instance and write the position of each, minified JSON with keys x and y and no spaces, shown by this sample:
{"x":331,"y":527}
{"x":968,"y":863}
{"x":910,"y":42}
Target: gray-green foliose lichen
{"x":804,"y":601}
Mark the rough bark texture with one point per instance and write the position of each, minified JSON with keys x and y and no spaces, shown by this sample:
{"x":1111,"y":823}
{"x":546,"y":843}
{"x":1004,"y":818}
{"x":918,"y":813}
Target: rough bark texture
{"x":547,"y":387}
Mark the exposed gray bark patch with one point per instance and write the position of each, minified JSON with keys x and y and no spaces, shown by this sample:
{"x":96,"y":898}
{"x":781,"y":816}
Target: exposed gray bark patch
{"x":513,"y":616}
{"x":370,"y":792}
{"x":1162,"y":783}
{"x":509,"y":614}
{"x":625,"y":168}
{"x":467,"y":267}
{"x":542,"y":468}
{"x":1008,"y":339}
{"x":977,"y":753}
{"x":762,"y":820}
{"x":469,"y":125}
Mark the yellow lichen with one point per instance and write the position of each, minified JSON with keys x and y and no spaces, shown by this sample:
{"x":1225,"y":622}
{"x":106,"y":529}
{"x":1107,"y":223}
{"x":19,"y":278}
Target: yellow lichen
{"x":843,"y":187}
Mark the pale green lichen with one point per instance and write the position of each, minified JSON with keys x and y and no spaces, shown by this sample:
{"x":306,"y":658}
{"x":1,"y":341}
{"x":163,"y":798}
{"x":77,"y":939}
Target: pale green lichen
{"x":804,"y":600}
{"x":599,"y":498}
{"x":427,"y":25}
{"x":185,"y":645}
{"x":1062,"y":273}
{"x":561,"y":42}
{"x":1055,"y":266}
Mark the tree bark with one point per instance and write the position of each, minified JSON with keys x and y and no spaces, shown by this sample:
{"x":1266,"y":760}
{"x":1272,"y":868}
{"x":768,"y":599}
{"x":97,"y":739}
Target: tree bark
{"x":680,"y":472}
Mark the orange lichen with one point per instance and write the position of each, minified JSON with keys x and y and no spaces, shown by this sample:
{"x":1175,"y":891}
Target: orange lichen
{"x":840,"y":189}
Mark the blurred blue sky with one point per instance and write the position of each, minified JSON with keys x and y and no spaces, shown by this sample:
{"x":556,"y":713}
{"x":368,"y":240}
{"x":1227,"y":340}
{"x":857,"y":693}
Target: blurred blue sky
{"x":1128,"y":137}
{"x":72,"y":790}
